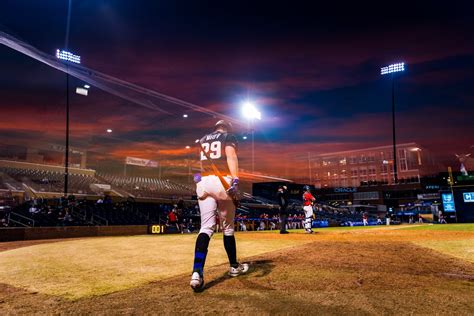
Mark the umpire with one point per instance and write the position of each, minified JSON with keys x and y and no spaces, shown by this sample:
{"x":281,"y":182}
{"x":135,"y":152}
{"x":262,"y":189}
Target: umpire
{"x":282,"y":196}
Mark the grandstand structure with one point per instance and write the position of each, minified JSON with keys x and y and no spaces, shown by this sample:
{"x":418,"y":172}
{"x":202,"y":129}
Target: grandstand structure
{"x":43,"y":181}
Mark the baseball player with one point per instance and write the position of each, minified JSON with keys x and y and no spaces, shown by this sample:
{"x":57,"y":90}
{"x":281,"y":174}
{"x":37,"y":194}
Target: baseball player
{"x":282,"y":196}
{"x":218,"y":155}
{"x":308,"y":200}
{"x":365,"y":219}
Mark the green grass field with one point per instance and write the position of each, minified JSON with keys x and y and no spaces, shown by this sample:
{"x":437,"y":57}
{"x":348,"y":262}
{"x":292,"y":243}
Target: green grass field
{"x":399,"y":269}
{"x":120,"y":263}
{"x":96,"y":266}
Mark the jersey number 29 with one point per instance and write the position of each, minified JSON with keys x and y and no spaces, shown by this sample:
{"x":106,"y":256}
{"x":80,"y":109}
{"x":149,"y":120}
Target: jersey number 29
{"x":214,"y":150}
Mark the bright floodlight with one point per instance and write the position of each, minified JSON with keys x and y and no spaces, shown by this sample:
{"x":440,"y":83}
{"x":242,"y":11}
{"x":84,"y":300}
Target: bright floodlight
{"x":250,"y":111}
{"x":109,"y":130}
{"x":87,"y":86}
{"x":68,"y":56}
{"x":82,"y":91}
{"x":185,"y":115}
{"x":392,"y":68}
{"x":245,"y":137}
{"x":187,"y":147}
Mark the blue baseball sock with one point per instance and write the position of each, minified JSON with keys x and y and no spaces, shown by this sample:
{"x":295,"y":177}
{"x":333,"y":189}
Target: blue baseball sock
{"x":200,"y":253}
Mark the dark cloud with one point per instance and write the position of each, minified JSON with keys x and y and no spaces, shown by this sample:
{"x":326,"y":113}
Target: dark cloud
{"x":313,"y":71}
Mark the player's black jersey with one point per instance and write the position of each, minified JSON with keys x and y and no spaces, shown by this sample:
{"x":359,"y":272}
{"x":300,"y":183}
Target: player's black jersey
{"x":214,"y":144}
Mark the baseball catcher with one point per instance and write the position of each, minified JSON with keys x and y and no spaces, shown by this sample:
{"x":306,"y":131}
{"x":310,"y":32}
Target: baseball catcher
{"x":308,"y":201}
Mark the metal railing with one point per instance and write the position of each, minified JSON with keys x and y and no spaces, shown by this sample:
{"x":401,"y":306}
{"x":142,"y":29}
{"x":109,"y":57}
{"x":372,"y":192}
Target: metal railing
{"x":30,"y":221}
{"x":101,"y":220}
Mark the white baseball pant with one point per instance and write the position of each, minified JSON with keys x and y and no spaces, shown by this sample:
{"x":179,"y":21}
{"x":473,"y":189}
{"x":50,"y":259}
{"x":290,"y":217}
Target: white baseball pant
{"x":308,"y":214}
{"x":214,"y":201}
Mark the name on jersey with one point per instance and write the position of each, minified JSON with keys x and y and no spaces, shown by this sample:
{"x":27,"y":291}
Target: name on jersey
{"x":212,"y":137}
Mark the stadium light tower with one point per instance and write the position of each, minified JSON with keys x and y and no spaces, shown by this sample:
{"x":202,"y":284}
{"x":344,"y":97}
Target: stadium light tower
{"x":251,"y":113}
{"x":392,"y":70}
{"x":67,"y":57}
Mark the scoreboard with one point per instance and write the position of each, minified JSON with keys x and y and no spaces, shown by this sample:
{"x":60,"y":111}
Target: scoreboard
{"x":157,"y":229}
{"x":160,"y":229}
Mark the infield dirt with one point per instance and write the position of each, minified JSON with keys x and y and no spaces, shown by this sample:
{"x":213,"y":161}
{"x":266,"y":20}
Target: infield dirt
{"x":376,"y":271}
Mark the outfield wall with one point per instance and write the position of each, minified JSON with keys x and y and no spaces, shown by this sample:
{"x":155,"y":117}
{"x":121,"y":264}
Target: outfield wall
{"x":34,"y":233}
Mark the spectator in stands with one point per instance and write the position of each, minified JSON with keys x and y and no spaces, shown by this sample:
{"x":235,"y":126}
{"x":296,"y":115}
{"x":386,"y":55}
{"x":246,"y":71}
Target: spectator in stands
{"x":33,"y":209}
{"x":190,"y":225}
{"x":67,"y":218}
{"x":61,"y":218}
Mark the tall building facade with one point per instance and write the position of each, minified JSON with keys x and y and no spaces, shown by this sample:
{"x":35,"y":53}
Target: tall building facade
{"x":374,"y":165}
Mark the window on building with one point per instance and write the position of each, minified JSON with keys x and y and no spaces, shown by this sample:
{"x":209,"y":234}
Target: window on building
{"x":372,"y":170}
{"x":413,"y":160}
{"x":402,"y":156}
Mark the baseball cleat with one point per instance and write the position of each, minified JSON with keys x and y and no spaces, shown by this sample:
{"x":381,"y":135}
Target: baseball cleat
{"x":197,"y":282}
{"x":284,"y":232}
{"x":242,"y":268}
{"x":309,"y":231}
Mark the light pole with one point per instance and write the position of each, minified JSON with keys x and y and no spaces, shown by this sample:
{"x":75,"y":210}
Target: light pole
{"x":392,"y":69}
{"x":251,"y":113}
{"x":68,"y":57}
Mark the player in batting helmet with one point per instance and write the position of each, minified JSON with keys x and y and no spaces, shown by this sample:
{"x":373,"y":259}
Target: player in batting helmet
{"x":227,"y":125}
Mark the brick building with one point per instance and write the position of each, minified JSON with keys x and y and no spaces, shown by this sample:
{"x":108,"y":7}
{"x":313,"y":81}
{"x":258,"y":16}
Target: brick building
{"x":374,"y":165}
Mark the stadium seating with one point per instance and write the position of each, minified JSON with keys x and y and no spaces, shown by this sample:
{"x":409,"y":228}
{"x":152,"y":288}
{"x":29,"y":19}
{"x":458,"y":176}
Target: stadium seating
{"x":40,"y":180}
{"x":49,"y":181}
{"x":143,"y":187}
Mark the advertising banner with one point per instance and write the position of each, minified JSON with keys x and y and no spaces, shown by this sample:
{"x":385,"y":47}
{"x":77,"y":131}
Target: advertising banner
{"x":448,"y":202}
{"x":141,"y":162}
{"x":468,"y":197}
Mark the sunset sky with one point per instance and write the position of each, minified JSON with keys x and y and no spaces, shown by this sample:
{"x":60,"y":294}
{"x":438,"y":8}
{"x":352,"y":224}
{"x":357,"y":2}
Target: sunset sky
{"x":314,"y":72}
